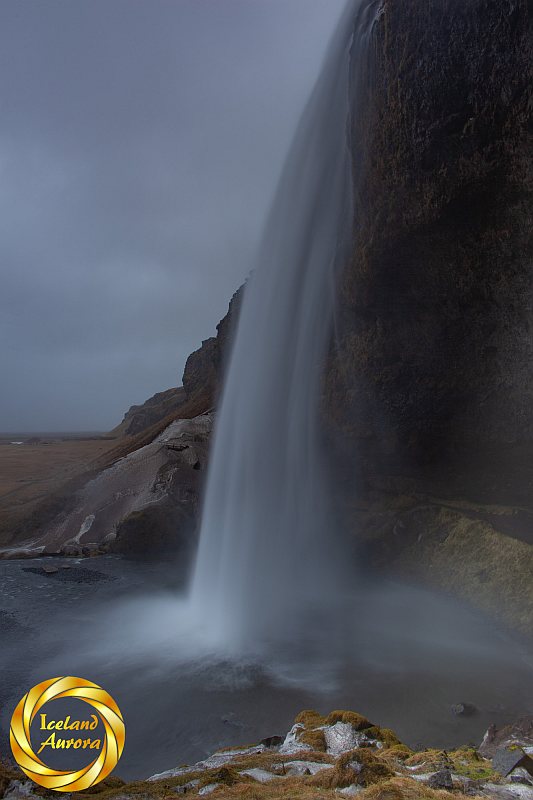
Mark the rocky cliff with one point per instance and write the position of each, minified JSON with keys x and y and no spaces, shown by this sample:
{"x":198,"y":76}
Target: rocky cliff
{"x":142,"y":496}
{"x":201,"y":382}
{"x":434,"y":357}
{"x":160,"y":405}
{"x":429,"y":383}
{"x":202,"y":377}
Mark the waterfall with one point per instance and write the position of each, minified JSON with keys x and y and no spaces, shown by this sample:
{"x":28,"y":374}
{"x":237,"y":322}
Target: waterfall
{"x":269,"y":556}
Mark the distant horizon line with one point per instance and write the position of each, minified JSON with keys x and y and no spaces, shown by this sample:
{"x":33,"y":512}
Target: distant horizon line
{"x":4,"y":434}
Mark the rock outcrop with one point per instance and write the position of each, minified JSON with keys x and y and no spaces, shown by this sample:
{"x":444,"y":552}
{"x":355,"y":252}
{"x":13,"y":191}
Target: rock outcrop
{"x":201,"y":382}
{"x":204,"y":368}
{"x":456,"y":548}
{"x":153,"y":410}
{"x":153,"y":505}
{"x":341,"y":754}
{"x":144,"y":504}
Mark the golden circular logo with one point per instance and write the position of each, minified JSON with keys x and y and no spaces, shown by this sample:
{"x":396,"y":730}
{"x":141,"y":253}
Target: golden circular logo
{"x":107,"y":712}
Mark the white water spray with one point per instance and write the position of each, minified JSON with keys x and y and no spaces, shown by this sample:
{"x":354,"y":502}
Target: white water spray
{"x":268,"y":554}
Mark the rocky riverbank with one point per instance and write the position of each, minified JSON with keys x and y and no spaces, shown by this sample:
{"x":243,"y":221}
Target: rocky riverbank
{"x":341,"y":754}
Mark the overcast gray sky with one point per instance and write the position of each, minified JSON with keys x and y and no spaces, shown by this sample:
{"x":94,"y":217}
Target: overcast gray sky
{"x":140,"y":142}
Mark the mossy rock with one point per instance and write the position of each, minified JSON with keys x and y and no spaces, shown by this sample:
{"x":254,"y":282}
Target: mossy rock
{"x":314,"y":723}
{"x":310,"y":719}
{"x":471,"y":559}
{"x":225,"y":775}
{"x":314,"y":738}
{"x":432,"y":758}
{"x":397,"y":788}
{"x":384,"y":735}
{"x":358,"y":722}
{"x":112,"y":782}
{"x":397,"y":751}
{"x":157,"y":790}
{"x":370,"y":769}
{"x":467,"y":761}
{"x":269,"y":761}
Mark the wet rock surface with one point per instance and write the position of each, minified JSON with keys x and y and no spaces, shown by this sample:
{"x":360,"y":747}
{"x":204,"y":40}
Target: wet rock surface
{"x":510,"y":758}
{"x":433,"y":352}
{"x":73,"y":574}
{"x":446,"y":543}
{"x":464,"y":709}
{"x":429,"y":383}
{"x":517,"y":735}
{"x":441,"y":780}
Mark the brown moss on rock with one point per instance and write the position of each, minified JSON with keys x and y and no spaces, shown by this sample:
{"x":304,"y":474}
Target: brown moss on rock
{"x":358,"y":722}
{"x":313,"y":734}
{"x":431,"y":758}
{"x":374,"y":770}
{"x":359,"y":766}
{"x":290,"y":788}
{"x":314,"y":724}
{"x":296,"y":789}
{"x":314,"y":738}
{"x":398,"y":788}
{"x":310,"y":718}
{"x":384,"y":735}
{"x":228,"y":776}
{"x":276,"y":761}
{"x":155,"y":790}
{"x":396,"y":753}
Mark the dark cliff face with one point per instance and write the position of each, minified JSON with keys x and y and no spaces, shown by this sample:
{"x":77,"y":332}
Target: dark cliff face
{"x":202,"y":377}
{"x":434,"y":354}
{"x":160,"y":405}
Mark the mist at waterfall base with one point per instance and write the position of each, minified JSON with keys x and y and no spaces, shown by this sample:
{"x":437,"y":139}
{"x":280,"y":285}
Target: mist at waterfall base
{"x":402,"y":657}
{"x":272,"y":623}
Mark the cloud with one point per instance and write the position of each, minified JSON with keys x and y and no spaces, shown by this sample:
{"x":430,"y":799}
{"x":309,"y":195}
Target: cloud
{"x":140,"y":146}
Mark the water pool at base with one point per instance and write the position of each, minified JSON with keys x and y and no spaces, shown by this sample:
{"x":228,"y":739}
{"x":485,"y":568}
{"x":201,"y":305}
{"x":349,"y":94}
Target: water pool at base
{"x":400,"y":655}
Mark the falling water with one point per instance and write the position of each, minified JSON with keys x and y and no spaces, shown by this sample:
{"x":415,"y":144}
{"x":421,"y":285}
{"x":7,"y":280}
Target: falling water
{"x":268,"y":555}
